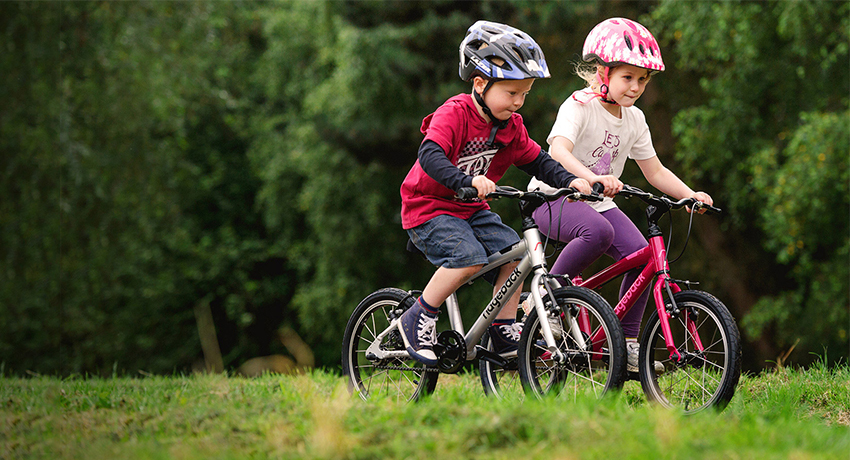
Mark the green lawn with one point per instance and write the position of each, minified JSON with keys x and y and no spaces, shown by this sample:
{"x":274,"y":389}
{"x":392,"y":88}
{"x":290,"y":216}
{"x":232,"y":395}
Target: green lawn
{"x":785,"y":414}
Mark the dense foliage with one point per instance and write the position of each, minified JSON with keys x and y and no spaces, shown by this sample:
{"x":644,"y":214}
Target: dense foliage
{"x":164,"y":158}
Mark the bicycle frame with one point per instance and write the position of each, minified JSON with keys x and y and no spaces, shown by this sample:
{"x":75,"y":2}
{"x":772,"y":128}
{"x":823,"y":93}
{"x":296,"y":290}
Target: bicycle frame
{"x":654,"y":257}
{"x":530,"y":248}
{"x":532,"y":260}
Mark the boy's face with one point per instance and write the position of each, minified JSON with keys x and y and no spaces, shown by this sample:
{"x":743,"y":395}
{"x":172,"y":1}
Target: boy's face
{"x":627,"y":83}
{"x":505,"y":96}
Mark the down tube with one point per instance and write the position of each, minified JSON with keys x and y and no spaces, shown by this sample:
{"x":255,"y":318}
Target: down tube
{"x":629,"y":298}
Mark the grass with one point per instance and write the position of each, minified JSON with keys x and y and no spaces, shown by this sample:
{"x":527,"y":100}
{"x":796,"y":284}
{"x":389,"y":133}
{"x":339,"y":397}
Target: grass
{"x":789,"y":413}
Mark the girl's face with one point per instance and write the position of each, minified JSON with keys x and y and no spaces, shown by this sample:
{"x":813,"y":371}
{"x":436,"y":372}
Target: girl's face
{"x":505,"y":96}
{"x":626,"y":84}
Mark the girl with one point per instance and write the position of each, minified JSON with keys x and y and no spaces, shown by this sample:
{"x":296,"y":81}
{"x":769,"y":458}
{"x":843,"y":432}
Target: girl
{"x":597,"y":128}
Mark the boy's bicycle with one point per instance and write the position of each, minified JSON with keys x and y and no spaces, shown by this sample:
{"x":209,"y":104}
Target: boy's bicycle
{"x":691,"y":333}
{"x":375,"y":361}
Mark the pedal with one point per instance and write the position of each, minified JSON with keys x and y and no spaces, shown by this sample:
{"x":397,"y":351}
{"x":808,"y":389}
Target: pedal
{"x":490,"y":356}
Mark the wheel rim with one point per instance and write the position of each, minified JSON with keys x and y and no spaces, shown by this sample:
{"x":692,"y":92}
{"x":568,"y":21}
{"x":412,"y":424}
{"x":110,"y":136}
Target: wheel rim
{"x":394,"y":379}
{"x":697,"y":382}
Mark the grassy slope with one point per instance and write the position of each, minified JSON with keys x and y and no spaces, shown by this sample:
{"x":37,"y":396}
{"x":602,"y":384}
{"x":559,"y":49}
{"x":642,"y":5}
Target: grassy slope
{"x":788,"y":414}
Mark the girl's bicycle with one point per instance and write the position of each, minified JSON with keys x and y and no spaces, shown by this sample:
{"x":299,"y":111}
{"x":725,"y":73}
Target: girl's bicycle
{"x":375,"y":361}
{"x":690,"y":348}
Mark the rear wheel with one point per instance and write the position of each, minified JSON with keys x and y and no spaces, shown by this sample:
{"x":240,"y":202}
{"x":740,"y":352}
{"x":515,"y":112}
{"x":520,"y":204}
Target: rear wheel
{"x":400,"y":378}
{"x":500,"y":381}
{"x":698,"y":378}
{"x":590,"y":371}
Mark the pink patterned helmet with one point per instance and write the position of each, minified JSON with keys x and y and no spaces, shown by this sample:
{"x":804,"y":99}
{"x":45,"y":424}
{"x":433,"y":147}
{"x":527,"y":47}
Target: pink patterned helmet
{"x":622,"y":41}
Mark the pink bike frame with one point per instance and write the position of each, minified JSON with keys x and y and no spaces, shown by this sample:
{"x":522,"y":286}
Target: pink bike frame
{"x":654,"y":257}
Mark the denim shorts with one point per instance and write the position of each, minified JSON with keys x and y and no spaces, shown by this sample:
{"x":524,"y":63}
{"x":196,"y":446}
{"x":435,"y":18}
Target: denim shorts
{"x":452,"y":242}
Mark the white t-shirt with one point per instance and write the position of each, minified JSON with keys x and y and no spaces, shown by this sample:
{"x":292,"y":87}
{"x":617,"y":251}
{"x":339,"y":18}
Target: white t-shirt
{"x":602,"y":142}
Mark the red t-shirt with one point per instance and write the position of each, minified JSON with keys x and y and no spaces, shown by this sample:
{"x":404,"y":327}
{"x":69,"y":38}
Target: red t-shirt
{"x":457,"y":127}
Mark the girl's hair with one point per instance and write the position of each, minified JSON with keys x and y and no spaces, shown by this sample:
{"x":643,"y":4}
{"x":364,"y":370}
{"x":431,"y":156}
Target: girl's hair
{"x":587,"y":72}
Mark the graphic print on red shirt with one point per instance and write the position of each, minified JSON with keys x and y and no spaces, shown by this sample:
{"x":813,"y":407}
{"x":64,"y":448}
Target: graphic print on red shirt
{"x":458,"y":128}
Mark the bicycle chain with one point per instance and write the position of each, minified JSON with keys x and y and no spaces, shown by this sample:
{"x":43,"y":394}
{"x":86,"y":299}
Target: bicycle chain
{"x":560,"y":367}
{"x":402,"y":368}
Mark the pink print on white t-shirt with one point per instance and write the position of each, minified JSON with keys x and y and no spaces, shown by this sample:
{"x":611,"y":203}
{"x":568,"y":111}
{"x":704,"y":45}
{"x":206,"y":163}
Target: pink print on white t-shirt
{"x":606,"y":154}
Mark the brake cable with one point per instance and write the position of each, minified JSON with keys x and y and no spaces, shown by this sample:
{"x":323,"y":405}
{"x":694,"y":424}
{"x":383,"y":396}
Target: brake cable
{"x":687,"y":237}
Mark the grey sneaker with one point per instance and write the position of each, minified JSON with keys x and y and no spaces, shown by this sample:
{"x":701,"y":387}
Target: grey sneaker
{"x":419,"y":332}
{"x":554,"y":321}
{"x":632,"y":353}
{"x":555,"y":324}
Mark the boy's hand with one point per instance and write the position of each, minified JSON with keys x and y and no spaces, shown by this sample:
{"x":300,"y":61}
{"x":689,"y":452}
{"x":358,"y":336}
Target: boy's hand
{"x":484,"y":186}
{"x":612,"y":185}
{"x":581,"y":185}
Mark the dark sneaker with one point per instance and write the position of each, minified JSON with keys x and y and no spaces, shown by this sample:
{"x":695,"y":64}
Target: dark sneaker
{"x":505,"y":337}
{"x":419,"y":332}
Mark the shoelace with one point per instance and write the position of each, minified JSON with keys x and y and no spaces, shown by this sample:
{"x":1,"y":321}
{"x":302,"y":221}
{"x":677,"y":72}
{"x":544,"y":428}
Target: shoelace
{"x":511,"y":331}
{"x":426,"y":331}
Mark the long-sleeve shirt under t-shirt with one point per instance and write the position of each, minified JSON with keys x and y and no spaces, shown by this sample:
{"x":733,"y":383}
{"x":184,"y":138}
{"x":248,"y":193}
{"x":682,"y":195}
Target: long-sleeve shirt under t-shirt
{"x":461,"y":133}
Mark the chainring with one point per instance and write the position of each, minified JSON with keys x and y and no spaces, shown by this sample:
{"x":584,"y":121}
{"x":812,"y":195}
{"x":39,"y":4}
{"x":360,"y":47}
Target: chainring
{"x":451,"y":351}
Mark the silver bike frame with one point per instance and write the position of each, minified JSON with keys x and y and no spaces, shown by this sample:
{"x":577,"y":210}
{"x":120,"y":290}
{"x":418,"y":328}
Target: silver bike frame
{"x":529,"y":252}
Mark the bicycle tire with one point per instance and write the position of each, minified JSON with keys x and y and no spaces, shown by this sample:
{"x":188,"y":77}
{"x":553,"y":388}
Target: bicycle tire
{"x":584,"y":373}
{"x":498,"y":381}
{"x":394,"y":378}
{"x":703,"y":379}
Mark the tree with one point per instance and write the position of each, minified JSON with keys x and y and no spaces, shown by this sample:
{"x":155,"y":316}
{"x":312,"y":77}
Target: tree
{"x":771,"y":105}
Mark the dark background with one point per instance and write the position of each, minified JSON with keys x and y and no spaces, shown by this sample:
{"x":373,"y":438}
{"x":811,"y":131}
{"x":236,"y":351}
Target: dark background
{"x":166,"y":162}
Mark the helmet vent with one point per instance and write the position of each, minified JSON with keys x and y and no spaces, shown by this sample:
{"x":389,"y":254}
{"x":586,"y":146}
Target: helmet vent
{"x":628,"y":41}
{"x":642,"y":49}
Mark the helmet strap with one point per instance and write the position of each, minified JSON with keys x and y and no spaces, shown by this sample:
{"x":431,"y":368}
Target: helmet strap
{"x":497,"y":124}
{"x":603,"y":87}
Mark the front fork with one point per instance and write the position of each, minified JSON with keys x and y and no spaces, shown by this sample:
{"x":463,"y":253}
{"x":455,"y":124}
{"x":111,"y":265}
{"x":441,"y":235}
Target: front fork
{"x":541,"y":279}
{"x":666,"y":284}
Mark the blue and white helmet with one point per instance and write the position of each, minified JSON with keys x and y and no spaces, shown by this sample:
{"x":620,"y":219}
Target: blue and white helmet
{"x":486,"y":41}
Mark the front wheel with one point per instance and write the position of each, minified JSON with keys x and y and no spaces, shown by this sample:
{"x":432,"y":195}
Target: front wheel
{"x":708,"y":344}
{"x":400,"y":378}
{"x":591,"y":370}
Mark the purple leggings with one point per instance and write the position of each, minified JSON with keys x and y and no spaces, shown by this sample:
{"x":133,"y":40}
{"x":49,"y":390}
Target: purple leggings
{"x":589,"y":234}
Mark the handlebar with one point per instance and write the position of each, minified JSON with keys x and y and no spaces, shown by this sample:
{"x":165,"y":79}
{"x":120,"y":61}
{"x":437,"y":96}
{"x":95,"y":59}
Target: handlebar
{"x":646,"y":197}
{"x":470,"y":193}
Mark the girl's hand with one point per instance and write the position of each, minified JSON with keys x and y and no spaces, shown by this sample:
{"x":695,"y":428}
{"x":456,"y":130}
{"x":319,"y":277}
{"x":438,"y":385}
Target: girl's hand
{"x":701,"y":197}
{"x":612,"y":185}
{"x":484,"y":186}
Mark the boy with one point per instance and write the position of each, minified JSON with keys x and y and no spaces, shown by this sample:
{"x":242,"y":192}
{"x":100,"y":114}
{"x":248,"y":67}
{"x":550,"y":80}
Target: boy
{"x":470,"y":141}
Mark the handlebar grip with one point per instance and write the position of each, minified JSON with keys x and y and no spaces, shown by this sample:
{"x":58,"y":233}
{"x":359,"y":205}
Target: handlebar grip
{"x":467,"y":193}
{"x":598,"y":188}
{"x":711,"y":209}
